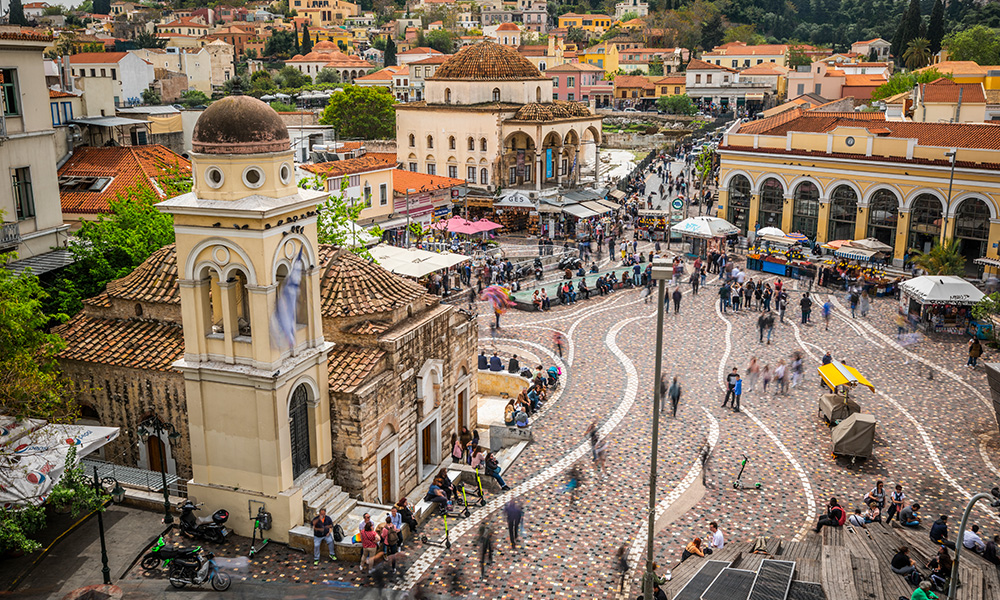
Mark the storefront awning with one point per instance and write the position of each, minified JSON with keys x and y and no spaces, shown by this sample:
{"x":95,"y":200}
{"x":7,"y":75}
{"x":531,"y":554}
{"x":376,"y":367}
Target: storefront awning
{"x":579,"y":211}
{"x":854,"y":253}
{"x":612,"y":205}
{"x":617,"y":194}
{"x":414,"y":262}
{"x":755,"y":96}
{"x":988,"y":262}
{"x":515,"y":200}
{"x":597,"y":207}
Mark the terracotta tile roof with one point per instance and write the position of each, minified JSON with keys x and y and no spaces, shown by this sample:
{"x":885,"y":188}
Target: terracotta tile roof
{"x":487,"y":61}
{"x":352,"y":287}
{"x":575,"y":68}
{"x":868,"y":41}
{"x":368,"y":328}
{"x":437,"y":59}
{"x":102,"y":300}
{"x":419,"y":50}
{"x":408,"y":180}
{"x":126,"y":165}
{"x":864,"y":80}
{"x":633,"y":81}
{"x":27,"y":34}
{"x":764,"y":69}
{"x":362,"y":164}
{"x":957,"y":67}
{"x":93,"y":58}
{"x":672,"y":81}
{"x":350,"y":366}
{"x":524,"y":50}
{"x":389,"y":156}
{"x":700,"y":65}
{"x":508,"y":27}
{"x":380,"y":75}
{"x":154,"y":281}
{"x":132,"y":343}
{"x":60,"y":94}
{"x":740,"y":49}
{"x":945,"y":90}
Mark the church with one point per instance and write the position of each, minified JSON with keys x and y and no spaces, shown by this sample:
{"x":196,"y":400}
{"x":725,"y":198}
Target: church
{"x":358,"y":407}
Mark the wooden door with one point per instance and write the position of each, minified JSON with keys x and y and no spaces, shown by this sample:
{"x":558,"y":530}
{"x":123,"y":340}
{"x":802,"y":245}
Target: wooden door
{"x":386,"y":475}
{"x":157,"y":454}
{"x":298,"y":414}
{"x":425,"y":449}
{"x":462,"y":420}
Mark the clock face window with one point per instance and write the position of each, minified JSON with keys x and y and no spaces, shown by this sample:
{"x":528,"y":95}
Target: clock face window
{"x":849,"y":141}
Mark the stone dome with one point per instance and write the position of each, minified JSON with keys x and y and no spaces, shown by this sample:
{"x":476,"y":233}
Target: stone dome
{"x":239,"y":125}
{"x":487,"y":61}
{"x":551,"y":111}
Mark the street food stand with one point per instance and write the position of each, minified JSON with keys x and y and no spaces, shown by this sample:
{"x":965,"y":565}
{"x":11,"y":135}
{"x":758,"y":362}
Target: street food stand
{"x":778,"y":255}
{"x":713,"y":229}
{"x":654,"y":222}
{"x":939,"y":303}
{"x":841,"y":379}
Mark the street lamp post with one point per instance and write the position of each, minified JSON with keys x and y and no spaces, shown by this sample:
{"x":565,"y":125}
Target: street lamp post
{"x":661,"y":272}
{"x":408,"y":192}
{"x":953,"y":155}
{"x":154,"y":426}
{"x":994,"y":495}
{"x":117,"y":493}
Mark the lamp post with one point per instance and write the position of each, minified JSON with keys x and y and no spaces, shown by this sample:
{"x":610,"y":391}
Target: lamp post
{"x":117,"y":492}
{"x":408,"y":192}
{"x":154,"y":426}
{"x":994,"y":495}
{"x":661,"y":272}
{"x":953,"y":155}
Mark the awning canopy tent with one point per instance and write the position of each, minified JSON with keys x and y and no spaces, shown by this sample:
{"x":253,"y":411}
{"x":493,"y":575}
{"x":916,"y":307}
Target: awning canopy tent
{"x":837,"y":374}
{"x":775,"y":239}
{"x":764,"y":231}
{"x":988,"y":262}
{"x":859,"y":254}
{"x":617,"y":194}
{"x":515,"y":200}
{"x":33,"y":456}
{"x":578,"y":210}
{"x":871,"y":244}
{"x":941,"y":289}
{"x":414,"y":262}
{"x":705,"y":227}
{"x":836,"y":244}
{"x":597,"y":207}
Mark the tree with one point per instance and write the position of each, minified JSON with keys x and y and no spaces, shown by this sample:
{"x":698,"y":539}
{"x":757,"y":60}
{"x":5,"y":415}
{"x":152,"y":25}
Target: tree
{"x":261,"y":81}
{"x":327,"y":75}
{"x":16,"y":14}
{"x":908,"y":29}
{"x":986,"y":310}
{"x":798,"y":58}
{"x":917,"y":54}
{"x":712,"y":32}
{"x":151,"y":97}
{"x":979,"y":44}
{"x":66,"y":43}
{"x":935,"y":29}
{"x":679,"y":104}
{"x":145,"y":39}
{"x":441,"y":40}
{"x":903,"y":82}
{"x":295,"y":34}
{"x":390,"y":53}
{"x":192,"y":98}
{"x":307,"y":44}
{"x":290,"y":77}
{"x":578,"y":36}
{"x":229,"y":85}
{"x":656,"y":67}
{"x":361,"y":112}
{"x":379,"y":43}
{"x":102,"y":7}
{"x":943,"y":259}
{"x":282,"y":106}
{"x":743,"y":33}
{"x":337,"y":221}
{"x":281,"y":44}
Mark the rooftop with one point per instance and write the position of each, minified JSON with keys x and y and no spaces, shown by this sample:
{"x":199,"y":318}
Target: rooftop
{"x":350,"y":366}
{"x":957,"y":67}
{"x":947,"y":91}
{"x":363,"y":164}
{"x":419,"y":50}
{"x":132,"y":343}
{"x":353,"y":287}
{"x":700,"y":65}
{"x":93,"y":58}
{"x":403,"y":180}
{"x":487,"y":61}
{"x":633,"y":81}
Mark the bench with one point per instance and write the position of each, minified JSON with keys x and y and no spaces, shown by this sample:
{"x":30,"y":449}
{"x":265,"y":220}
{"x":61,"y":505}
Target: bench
{"x":522,"y":298}
{"x":502,"y":436}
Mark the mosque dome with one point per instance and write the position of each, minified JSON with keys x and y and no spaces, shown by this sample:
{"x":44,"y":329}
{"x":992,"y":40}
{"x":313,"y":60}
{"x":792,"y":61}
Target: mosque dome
{"x":487,"y":61}
{"x":239,"y":125}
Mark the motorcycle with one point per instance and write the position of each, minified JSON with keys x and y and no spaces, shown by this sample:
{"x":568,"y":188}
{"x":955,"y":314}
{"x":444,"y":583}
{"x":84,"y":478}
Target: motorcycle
{"x":538,"y":273}
{"x":197,"y":571}
{"x":206,"y":528}
{"x":159,"y":554}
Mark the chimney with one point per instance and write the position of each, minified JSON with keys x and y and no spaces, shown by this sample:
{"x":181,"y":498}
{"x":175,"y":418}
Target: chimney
{"x":958,"y":109}
{"x":66,"y":75}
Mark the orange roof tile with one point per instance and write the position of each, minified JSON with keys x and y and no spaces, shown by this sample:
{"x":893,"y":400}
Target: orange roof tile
{"x":61,"y":94}
{"x":154,"y":281}
{"x":700,"y":65}
{"x":508,"y":27}
{"x":633,"y":81}
{"x":408,"y":180}
{"x":864,"y":80}
{"x":437,"y":59}
{"x":945,"y":90}
{"x":363,"y":164}
{"x":957,"y":67}
{"x":26,"y":34}
{"x":764,"y":69}
{"x":90,"y":58}
{"x":350,"y":366}
{"x":740,"y":49}
{"x":125,"y":165}
{"x":380,"y":75}
{"x":419,"y":50}
{"x":132,"y":343}
{"x":389,"y":156}
{"x":672,"y":81}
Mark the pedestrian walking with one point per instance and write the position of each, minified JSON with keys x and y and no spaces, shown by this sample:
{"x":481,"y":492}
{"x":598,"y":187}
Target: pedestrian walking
{"x":573,"y":485}
{"x":865,"y":304}
{"x":753,"y":371}
{"x":975,"y":351}
{"x":322,"y":532}
{"x":853,"y":299}
{"x":557,"y":339}
{"x":675,"y":395}
{"x":731,"y":380}
{"x":827,"y":310}
{"x":780,"y":378}
{"x":797,"y":369}
{"x":765,"y":377}
{"x":782,"y":305}
{"x":591,"y":433}
{"x":677,"y":300}
{"x":515,"y":513}
{"x":621,"y":565}
{"x":485,"y":548}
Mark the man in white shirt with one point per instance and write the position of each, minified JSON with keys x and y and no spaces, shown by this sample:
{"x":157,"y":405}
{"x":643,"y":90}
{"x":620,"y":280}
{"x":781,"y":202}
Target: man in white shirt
{"x":716,"y":541}
{"x":972,"y":541}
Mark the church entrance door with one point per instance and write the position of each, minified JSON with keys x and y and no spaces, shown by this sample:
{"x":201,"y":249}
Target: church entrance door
{"x":298,"y":416}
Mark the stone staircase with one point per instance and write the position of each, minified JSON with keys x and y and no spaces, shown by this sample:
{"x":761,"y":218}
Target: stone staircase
{"x":319,"y":491}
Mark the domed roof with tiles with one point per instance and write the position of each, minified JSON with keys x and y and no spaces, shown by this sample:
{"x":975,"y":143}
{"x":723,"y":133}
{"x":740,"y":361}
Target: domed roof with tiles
{"x":326,"y":46}
{"x":353,"y":287}
{"x":155,"y":280}
{"x":550,"y":111}
{"x":487,"y":61}
{"x":239,"y":125}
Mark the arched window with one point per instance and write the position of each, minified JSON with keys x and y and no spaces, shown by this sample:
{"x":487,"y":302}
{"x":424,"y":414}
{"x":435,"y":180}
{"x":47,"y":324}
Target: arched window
{"x":242,"y":296}
{"x":496,"y":94}
{"x":972,"y":230}
{"x":301,"y":306}
{"x":805,"y":212}
{"x":447,"y":95}
{"x":413,"y":140}
{"x":484,"y":176}
{"x":472,"y":144}
{"x":883,"y":213}
{"x":843,"y":213}
{"x":482,"y":144}
{"x":925,"y":223}
{"x":772,"y":197}
{"x":538,"y":94}
{"x":211,"y":295}
{"x":739,"y":202}
{"x":451,"y":142}
{"x":430,"y":141}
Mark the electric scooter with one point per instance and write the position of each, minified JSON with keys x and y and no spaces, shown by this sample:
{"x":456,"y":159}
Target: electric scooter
{"x":446,"y":543}
{"x":738,"y":484}
{"x":479,"y":485}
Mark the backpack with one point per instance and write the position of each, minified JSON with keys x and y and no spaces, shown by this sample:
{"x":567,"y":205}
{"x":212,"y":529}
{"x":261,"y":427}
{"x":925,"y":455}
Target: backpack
{"x":338,"y":533}
{"x":841,"y":514}
{"x":392,"y":538}
{"x":914,"y":578}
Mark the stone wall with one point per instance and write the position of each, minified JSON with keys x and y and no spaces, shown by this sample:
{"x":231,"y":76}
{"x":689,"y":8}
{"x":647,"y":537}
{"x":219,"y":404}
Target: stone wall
{"x":500,"y":384}
{"x":639,"y":141}
{"x":381,"y":146}
{"x":299,"y":118}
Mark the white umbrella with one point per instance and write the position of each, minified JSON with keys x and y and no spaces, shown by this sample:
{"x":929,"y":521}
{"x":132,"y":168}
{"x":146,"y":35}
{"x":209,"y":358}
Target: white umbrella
{"x":941,"y":289}
{"x":771,"y":231}
{"x":871,"y":244}
{"x":705,"y":227}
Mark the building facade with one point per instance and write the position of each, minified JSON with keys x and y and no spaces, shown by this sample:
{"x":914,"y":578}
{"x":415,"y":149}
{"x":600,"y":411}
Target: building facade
{"x":833,"y":176}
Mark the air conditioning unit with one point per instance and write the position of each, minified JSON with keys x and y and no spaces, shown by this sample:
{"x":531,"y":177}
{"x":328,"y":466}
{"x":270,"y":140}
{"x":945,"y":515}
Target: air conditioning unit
{"x":532,"y":195}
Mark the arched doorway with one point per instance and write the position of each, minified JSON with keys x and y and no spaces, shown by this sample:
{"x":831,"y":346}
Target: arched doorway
{"x":925,"y":223}
{"x":738,"y":212}
{"x":156,"y":454}
{"x":883,"y":213}
{"x":298,"y":430}
{"x":805,"y":212}
{"x":972,"y":230}
{"x":843,"y":213}
{"x":772,"y":197}
{"x":388,"y":465}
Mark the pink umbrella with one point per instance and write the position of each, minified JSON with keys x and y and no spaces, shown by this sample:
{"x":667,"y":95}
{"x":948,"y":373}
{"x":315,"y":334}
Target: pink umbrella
{"x":486,"y":225}
{"x":460,"y":225}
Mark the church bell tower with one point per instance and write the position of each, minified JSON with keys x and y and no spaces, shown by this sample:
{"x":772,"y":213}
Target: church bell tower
{"x":259,"y":411}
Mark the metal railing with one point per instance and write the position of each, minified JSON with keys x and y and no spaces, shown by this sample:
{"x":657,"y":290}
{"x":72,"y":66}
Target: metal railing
{"x":10,"y":235}
{"x":134,"y":477}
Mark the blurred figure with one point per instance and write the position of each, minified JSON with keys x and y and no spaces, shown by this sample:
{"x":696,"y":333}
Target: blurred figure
{"x":485,"y":548}
{"x":514,"y":513}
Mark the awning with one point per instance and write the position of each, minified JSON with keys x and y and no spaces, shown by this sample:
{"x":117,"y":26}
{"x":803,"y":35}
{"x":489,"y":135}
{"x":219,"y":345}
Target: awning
{"x":414,"y":262}
{"x":612,"y":205}
{"x":617,"y":194}
{"x":941,"y":289}
{"x":597,"y":207}
{"x":988,"y":262}
{"x":515,"y":200}
{"x":855,"y":253}
{"x":394,"y":223}
{"x":837,"y":373}
{"x":582,"y":195}
{"x":755,"y":96}
{"x":43,"y":263}
{"x":35,"y":456}
{"x":108,"y":121}
{"x":578,"y":210}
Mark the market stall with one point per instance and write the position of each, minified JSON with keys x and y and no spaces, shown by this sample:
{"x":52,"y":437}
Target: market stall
{"x":939,"y":303}
{"x":778,"y":255}
{"x":416,"y":263}
{"x":714,"y":230}
{"x":653,"y":223}
{"x":514,"y":210}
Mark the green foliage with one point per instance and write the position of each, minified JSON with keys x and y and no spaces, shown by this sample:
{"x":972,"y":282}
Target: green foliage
{"x":743,"y":33}
{"x":901,"y":82}
{"x":282,"y":106}
{"x":151,"y":97}
{"x":935,"y":28}
{"x":280,"y":45}
{"x":16,"y":14}
{"x":145,"y":39}
{"x":441,"y":40}
{"x":417,"y":232}
{"x":986,"y":309}
{"x":102,"y":7}
{"x":918,"y":53}
{"x":292,"y":77}
{"x":18,"y":525}
{"x":261,"y":82}
{"x":390,"y":53}
{"x":229,"y":85}
{"x":629,"y":16}
{"x":943,"y":259}
{"x":680,"y":104}
{"x":307,"y":44}
{"x":656,"y":67}
{"x":74,"y":490}
{"x":576,"y":35}
{"x":798,"y":58}
{"x":908,"y":29}
{"x":704,"y":163}
{"x":379,"y":43}
{"x":712,"y":32}
{"x":337,"y":222}
{"x":979,"y":44}
{"x":192,"y":98}
{"x":328,"y":76}
{"x":361,"y":112}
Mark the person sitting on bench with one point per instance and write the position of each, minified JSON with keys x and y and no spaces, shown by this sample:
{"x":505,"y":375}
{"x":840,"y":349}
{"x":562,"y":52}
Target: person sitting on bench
{"x":908,"y":516}
{"x":901,"y":563}
{"x":834,"y":517}
{"x":694,"y":549}
{"x":939,"y":532}
{"x":436,"y":495}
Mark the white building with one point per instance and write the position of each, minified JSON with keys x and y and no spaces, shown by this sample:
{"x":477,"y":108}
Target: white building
{"x":195,"y":64}
{"x":129,"y":73}
{"x":880,"y":46}
{"x":639,"y":9}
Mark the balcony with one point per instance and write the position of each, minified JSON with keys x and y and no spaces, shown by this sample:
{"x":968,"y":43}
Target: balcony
{"x":10,"y":236}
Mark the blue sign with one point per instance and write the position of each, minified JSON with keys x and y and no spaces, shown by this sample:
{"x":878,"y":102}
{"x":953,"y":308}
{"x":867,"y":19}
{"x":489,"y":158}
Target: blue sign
{"x":548,"y":163}
{"x":677,"y":204}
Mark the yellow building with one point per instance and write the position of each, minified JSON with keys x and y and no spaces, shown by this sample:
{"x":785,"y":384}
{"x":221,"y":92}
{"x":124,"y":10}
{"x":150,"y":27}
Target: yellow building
{"x":670,"y":86}
{"x":834,"y":176}
{"x":603,"y":55}
{"x":595,"y":23}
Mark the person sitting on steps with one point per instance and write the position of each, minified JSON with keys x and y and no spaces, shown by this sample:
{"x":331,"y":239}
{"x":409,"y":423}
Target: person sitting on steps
{"x":834,"y":517}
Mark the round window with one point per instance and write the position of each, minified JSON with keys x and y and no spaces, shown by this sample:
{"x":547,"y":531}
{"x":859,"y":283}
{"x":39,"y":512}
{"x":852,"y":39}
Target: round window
{"x":253,"y":177}
{"x":214,"y":177}
{"x":849,"y":141}
{"x":286,"y":173}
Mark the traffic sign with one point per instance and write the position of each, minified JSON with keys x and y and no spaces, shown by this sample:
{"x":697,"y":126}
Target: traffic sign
{"x":678,"y":204}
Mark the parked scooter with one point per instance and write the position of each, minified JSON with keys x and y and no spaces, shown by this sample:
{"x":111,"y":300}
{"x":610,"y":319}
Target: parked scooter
{"x":160,"y":554}
{"x":206,"y":528}
{"x":198,"y":570}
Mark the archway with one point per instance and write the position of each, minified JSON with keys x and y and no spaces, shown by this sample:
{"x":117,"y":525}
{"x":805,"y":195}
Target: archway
{"x":772,"y":198}
{"x":805,"y":211}
{"x":883,"y":213}
{"x":518,"y":159}
{"x":551,"y":151}
{"x":843,"y":213}
{"x":298,"y":430}
{"x":738,"y":212}
{"x":925,"y":223}
{"x":972,"y":230}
